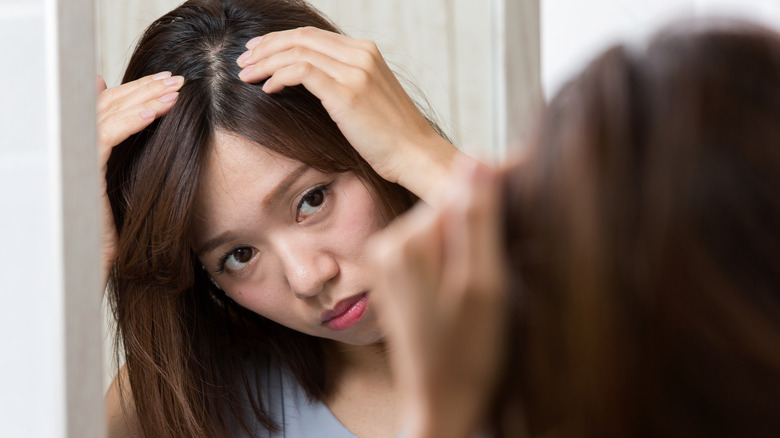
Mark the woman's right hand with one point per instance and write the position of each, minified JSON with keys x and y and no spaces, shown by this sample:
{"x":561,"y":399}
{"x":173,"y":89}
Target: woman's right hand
{"x":365,"y":99}
{"x":121,"y":112}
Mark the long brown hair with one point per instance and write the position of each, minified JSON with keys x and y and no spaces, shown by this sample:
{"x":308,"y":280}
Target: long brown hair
{"x":645,"y":231}
{"x":187,"y":347}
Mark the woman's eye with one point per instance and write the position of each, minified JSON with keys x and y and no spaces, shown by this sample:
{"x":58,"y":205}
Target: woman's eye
{"x":237,"y":259}
{"x":311,"y":202}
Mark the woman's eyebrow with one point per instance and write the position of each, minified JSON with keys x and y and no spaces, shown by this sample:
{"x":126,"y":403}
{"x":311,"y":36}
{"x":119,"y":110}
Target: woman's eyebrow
{"x":214,"y":243}
{"x":268,"y":202}
{"x":284,"y":185}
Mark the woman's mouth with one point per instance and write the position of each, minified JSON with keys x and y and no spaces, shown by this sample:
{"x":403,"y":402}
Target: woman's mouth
{"x":346,"y":313}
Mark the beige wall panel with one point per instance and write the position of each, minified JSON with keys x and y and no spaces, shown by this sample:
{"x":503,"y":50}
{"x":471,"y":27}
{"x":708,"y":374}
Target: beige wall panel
{"x":517,"y":74}
{"x":442,"y":46}
{"x":120,"y":23}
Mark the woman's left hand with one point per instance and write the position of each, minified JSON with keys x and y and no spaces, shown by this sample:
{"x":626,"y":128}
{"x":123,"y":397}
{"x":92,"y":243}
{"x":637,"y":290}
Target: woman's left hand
{"x":441,"y":294}
{"x":363,"y":97}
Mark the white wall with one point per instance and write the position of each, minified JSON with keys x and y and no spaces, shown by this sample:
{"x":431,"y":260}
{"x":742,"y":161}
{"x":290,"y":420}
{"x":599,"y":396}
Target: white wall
{"x":573,"y":31}
{"x":32,"y":362}
{"x":50,"y":351}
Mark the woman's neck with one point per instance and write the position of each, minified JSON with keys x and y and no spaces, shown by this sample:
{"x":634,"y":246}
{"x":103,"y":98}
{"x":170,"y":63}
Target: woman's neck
{"x":368,"y":361}
{"x":364,"y":395}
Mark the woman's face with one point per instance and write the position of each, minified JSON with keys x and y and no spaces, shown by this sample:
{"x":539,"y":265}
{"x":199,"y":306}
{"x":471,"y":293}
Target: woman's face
{"x":287,"y":241}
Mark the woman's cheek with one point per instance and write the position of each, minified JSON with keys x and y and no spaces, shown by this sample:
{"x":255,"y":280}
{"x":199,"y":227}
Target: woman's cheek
{"x":269,"y":305}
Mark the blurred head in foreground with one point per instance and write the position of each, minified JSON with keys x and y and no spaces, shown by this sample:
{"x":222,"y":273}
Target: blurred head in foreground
{"x":644,"y":235}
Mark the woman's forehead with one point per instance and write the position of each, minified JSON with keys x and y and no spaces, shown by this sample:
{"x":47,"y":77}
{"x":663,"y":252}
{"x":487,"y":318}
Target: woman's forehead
{"x":234,"y":151}
{"x":239,"y":175}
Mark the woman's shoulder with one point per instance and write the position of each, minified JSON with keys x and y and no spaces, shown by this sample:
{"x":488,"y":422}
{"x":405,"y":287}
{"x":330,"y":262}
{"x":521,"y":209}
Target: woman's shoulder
{"x":121,"y":419}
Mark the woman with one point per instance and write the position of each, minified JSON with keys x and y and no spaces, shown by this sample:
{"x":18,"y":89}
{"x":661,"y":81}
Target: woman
{"x":640,"y":244}
{"x":236,"y":217}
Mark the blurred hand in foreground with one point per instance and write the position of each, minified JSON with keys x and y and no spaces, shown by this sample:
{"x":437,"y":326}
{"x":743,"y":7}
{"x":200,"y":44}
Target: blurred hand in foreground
{"x":441,"y":295}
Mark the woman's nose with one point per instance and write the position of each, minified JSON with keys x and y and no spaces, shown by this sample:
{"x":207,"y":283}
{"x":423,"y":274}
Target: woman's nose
{"x":308,"y":271}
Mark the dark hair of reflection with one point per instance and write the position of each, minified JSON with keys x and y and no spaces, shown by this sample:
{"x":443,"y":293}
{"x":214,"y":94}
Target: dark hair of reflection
{"x":186,"y":345}
{"x":644,"y":234}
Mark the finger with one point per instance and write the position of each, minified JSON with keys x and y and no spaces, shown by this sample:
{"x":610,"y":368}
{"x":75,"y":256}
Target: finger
{"x":406,"y":259}
{"x":322,"y":85}
{"x":329,"y":43}
{"x":472,"y":259}
{"x":406,"y":267}
{"x":111,"y":96}
{"x":472,"y":303}
{"x":127,"y":88}
{"x":487,"y":231}
{"x":119,"y":125}
{"x":115,"y":100}
{"x":100,"y":84}
{"x":296,"y":55}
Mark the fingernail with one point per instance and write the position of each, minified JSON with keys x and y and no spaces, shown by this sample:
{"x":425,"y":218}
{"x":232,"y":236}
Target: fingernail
{"x":245,"y":71}
{"x":244,"y":56}
{"x":176,"y":80}
{"x":267,"y":86}
{"x":251,"y":44}
{"x":170,"y":97}
{"x":147,"y":114}
{"x":161,"y":75}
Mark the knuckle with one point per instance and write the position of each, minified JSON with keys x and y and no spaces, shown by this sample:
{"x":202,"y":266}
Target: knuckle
{"x":106,"y":97}
{"x":360,"y":78}
{"x":303,"y":68}
{"x":366,"y":60}
{"x":369,"y":54}
{"x":104,"y":135}
{"x":369,"y":47}
{"x":306,"y":31}
{"x":351,"y":98}
{"x":269,"y":36}
{"x":299,"y":52}
{"x":157,"y":86}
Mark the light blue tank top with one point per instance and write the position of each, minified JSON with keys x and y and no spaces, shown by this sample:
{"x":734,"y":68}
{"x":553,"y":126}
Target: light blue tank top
{"x":297,"y":417}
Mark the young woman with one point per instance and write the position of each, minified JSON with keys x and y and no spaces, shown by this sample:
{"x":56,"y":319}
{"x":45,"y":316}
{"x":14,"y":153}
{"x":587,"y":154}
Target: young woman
{"x":638,"y":252}
{"x":236,"y":216}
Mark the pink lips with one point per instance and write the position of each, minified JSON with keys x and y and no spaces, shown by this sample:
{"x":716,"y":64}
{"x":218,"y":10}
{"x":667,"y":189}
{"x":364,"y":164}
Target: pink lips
{"x":346,"y":313}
